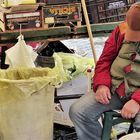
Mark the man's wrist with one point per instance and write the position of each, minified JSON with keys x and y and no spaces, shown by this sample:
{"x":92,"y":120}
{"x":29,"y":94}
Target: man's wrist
{"x":136,"y":102}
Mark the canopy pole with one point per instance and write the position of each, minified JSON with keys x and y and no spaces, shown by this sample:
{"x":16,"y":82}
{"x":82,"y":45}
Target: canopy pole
{"x":89,"y":30}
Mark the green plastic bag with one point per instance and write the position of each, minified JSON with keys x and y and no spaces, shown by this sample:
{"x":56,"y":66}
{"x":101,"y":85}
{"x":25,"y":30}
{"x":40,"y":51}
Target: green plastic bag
{"x":72,"y":65}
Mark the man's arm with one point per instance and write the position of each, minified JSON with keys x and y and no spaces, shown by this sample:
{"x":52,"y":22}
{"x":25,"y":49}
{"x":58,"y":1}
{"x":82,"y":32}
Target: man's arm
{"x":131,"y":108}
{"x":102,"y":70}
{"x":102,"y":77}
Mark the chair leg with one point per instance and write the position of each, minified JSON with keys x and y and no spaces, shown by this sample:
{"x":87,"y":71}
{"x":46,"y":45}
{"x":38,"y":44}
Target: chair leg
{"x":107,"y":126}
{"x":131,"y":129}
{"x":113,"y":118}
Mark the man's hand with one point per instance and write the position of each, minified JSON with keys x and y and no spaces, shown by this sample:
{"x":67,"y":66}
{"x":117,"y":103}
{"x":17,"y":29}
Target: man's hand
{"x":103,"y":94}
{"x":130,"y":109}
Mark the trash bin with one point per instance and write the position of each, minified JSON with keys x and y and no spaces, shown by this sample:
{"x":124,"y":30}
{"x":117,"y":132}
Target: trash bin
{"x":26,"y":104}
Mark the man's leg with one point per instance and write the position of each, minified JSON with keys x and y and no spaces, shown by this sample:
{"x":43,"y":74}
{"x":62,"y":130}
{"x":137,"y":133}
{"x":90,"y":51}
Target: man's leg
{"x":85,"y":113}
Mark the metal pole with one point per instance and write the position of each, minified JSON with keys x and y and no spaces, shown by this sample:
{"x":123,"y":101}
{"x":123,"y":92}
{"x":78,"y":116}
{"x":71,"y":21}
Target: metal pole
{"x":89,"y":30}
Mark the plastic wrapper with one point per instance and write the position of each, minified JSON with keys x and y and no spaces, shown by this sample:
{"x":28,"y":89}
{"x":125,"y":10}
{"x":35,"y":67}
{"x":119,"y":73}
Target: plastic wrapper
{"x":20,"y":55}
{"x":72,"y":65}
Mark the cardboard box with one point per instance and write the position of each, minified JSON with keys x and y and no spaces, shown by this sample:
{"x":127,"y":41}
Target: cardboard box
{"x":63,"y":13}
{"x":74,"y":86}
{"x":60,"y":1}
{"x":10,"y":3}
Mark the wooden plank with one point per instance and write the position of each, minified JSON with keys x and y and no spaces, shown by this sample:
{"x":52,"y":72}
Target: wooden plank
{"x":34,"y":35}
{"x":58,"y":33}
{"x":98,"y":29}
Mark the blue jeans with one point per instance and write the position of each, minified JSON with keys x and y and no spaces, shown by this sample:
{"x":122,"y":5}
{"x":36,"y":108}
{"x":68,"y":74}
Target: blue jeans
{"x":86,"y":111}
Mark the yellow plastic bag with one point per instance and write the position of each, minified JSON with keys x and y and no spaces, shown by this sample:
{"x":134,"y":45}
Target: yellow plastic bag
{"x":73,"y":65}
{"x":27,"y":103}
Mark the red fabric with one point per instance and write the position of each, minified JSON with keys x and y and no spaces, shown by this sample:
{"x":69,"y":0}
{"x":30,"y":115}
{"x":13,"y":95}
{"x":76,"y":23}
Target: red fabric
{"x":127,"y":69}
{"x":136,"y":96}
{"x":102,"y":70}
{"x":121,"y":89}
{"x":33,"y":44}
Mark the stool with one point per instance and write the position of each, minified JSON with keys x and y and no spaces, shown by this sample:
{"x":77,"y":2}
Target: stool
{"x":112,"y":118}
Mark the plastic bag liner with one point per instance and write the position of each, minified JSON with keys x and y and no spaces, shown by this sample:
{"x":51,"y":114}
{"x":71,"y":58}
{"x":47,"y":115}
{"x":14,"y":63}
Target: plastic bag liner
{"x":73,"y":64}
{"x":26,"y":103}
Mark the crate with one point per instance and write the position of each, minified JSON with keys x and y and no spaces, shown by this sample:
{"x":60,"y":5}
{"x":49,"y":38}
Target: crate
{"x":62,"y":14}
{"x":57,"y":1}
{"x":101,"y":11}
{"x":10,"y":3}
{"x":62,"y":132}
{"x":11,"y":21}
{"x":60,"y":1}
{"x":66,"y":95}
{"x":45,"y":61}
{"x":61,"y":116}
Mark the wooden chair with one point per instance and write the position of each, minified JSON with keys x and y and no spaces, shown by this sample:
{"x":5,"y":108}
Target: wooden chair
{"x":110,"y":119}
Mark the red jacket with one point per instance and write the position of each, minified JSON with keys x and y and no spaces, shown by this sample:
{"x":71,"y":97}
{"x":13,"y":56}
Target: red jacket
{"x":111,"y":49}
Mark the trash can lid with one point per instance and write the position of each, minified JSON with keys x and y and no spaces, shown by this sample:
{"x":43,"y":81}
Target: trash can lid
{"x":133,"y":136}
